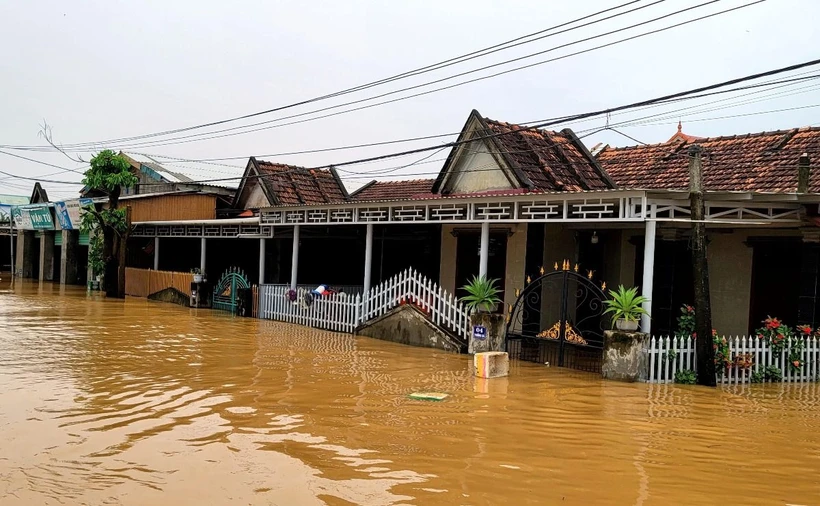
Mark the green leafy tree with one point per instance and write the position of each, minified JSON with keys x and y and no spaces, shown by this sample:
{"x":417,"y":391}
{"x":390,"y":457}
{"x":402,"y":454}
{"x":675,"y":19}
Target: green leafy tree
{"x":108,"y":226}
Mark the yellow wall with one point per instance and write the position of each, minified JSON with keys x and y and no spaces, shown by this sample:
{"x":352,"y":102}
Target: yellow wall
{"x":516,"y":263}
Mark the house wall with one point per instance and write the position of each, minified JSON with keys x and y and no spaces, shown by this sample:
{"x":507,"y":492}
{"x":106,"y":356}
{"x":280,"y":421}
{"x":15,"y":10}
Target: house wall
{"x":515,"y":276}
{"x":252,"y":197}
{"x":626,"y":268}
{"x":172,"y":207}
{"x":147,"y":183}
{"x":447,"y":272}
{"x":472,"y":173}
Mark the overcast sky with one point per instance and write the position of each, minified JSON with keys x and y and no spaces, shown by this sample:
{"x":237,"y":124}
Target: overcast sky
{"x":109,"y":69}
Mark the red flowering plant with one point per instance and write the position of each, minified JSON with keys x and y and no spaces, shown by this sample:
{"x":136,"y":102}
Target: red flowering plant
{"x":781,"y":337}
{"x":775,"y":333}
{"x":686,"y":321}
{"x":723,"y":356}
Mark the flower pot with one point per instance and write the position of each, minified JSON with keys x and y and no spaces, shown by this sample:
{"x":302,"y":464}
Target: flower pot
{"x":626,"y":325}
{"x":197,"y":278}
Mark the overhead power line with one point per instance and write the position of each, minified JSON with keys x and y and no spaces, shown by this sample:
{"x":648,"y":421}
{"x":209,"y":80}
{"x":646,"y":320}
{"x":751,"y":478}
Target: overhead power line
{"x":602,"y":112}
{"x":420,"y":70}
{"x":545,"y":123}
{"x":245,"y":128}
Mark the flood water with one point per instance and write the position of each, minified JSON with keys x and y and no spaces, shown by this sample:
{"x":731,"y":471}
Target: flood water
{"x":145,"y":403}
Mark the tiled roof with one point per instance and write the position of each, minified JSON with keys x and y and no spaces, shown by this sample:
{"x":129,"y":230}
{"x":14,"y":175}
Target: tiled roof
{"x":550,"y":161}
{"x":765,"y":162}
{"x":390,"y":190}
{"x":291,"y":185}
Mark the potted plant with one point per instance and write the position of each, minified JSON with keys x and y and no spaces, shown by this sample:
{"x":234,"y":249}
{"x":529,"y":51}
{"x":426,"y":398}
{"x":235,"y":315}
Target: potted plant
{"x":197,"y":275}
{"x":488,"y":331}
{"x":482,"y":294}
{"x":625,"y":306}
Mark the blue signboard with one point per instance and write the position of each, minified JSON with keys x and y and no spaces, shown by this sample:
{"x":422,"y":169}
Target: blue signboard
{"x":479,"y":332}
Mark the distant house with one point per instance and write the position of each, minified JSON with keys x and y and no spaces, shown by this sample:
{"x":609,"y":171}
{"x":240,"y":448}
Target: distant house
{"x":157,"y":177}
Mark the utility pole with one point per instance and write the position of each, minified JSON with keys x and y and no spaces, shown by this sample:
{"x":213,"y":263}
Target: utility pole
{"x":700,"y":268}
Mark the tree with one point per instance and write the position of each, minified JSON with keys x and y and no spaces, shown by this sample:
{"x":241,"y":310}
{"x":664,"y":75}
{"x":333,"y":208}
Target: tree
{"x":108,"y":227}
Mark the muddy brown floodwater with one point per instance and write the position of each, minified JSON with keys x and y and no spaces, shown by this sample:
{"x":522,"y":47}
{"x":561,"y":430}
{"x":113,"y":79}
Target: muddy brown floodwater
{"x":144,"y":403}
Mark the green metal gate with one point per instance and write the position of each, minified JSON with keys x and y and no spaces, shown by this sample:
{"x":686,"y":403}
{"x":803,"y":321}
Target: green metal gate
{"x":225,"y":292}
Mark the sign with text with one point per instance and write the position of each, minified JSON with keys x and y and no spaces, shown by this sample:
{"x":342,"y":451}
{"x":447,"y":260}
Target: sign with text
{"x":70,"y":212}
{"x":479,"y":332}
{"x":41,"y":218}
{"x":22,"y":220}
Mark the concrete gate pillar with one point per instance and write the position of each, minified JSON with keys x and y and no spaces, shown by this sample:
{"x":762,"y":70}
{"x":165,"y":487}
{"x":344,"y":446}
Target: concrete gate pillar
{"x":24,"y":261}
{"x":47,"y":255}
{"x":68,"y":257}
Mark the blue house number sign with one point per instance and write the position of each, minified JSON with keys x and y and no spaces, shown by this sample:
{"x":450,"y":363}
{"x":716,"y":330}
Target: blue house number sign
{"x":479,"y":332}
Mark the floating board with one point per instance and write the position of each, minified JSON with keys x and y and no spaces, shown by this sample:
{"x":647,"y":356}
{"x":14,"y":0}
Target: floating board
{"x":428,"y":396}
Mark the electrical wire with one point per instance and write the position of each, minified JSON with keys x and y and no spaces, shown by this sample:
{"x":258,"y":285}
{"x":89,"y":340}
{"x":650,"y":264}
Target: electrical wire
{"x":421,"y":70}
{"x":207,"y":135}
{"x":551,"y":122}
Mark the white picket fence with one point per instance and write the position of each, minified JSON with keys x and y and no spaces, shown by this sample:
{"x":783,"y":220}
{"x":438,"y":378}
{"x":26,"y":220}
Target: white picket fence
{"x":669,"y":354}
{"x":343,"y":312}
{"x":338,"y":312}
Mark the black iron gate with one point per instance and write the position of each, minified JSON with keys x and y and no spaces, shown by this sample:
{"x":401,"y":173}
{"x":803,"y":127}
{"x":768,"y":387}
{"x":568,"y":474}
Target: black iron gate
{"x":558,"y":319}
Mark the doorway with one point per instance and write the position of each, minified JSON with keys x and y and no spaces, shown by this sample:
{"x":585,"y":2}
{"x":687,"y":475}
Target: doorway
{"x":775,"y":266}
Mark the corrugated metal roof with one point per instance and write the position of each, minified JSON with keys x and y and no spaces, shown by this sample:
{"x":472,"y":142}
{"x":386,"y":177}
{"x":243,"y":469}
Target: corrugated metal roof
{"x":190,"y":172}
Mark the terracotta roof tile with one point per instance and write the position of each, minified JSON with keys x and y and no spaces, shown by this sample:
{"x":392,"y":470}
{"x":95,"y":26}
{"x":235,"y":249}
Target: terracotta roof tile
{"x":551,"y":161}
{"x":391,"y":190}
{"x":765,"y":162}
{"x":292,"y":185}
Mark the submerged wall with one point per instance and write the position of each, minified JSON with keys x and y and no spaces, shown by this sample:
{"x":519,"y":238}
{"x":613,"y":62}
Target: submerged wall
{"x":407,"y":325}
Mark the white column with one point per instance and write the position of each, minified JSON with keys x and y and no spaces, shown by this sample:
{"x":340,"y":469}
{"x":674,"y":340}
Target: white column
{"x":202,"y":251}
{"x":368,"y":257}
{"x":156,"y":253}
{"x":485,"y":249}
{"x":262,"y":261}
{"x":294,"y":264}
{"x":648,"y":272}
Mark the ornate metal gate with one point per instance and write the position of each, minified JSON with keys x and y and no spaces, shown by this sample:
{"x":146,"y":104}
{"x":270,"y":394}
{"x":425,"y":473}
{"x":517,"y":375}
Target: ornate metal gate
{"x":225,"y":292}
{"x":558,"y":319}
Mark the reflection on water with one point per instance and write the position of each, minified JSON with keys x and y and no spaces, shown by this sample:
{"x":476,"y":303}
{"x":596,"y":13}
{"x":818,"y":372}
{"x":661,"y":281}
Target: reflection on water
{"x":143,"y":403}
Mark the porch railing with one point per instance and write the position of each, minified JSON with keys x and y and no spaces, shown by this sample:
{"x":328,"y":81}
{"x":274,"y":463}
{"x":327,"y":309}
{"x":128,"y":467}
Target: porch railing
{"x":345,"y":311}
{"x":749,"y":359}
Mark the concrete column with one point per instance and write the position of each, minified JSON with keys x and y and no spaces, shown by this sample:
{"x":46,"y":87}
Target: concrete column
{"x":156,"y":253}
{"x":648,"y":273}
{"x":294,"y":264}
{"x":262,"y":261}
{"x":68,"y":257}
{"x":47,"y":255}
{"x":485,"y":249}
{"x":202,"y":251}
{"x":25,"y":248}
{"x":368,"y":257}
